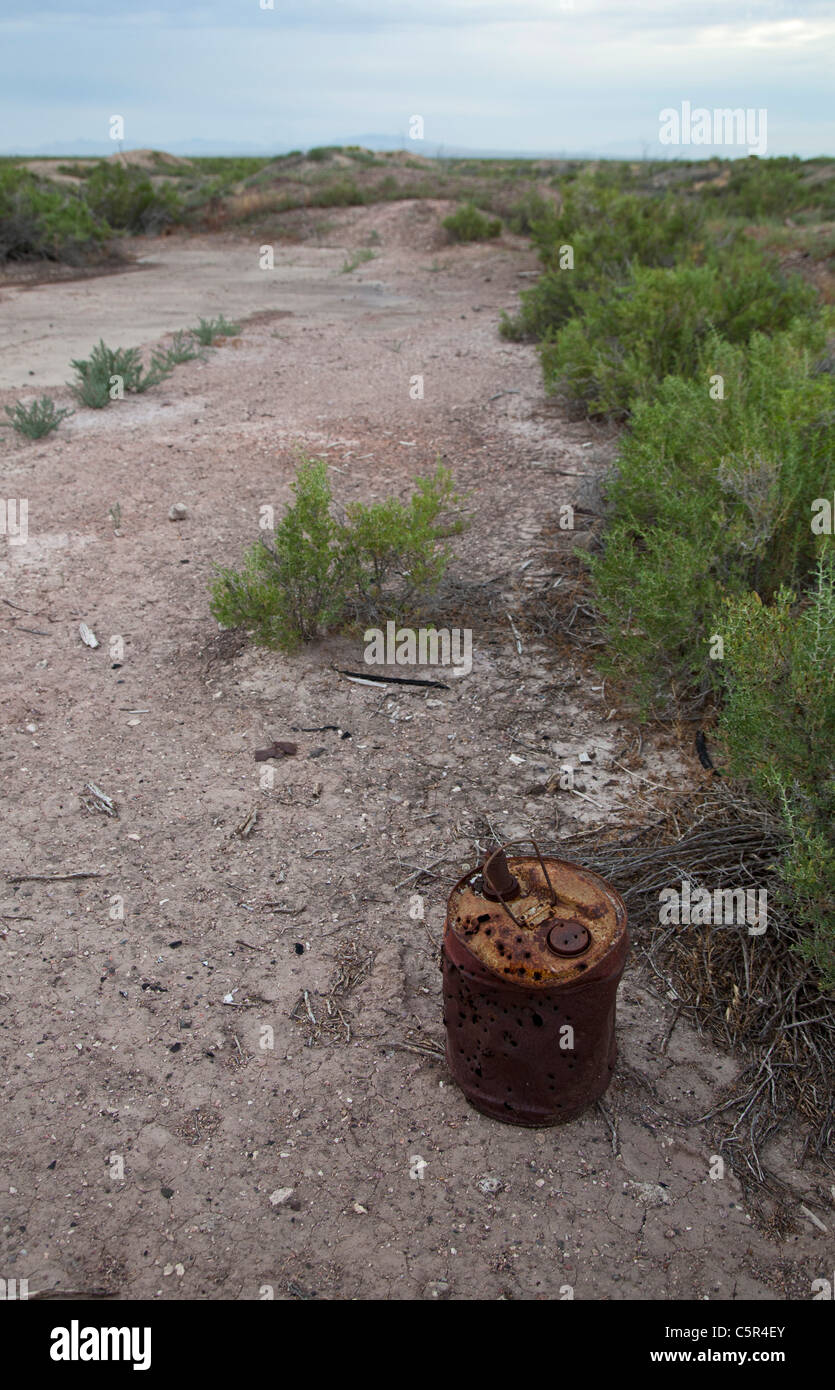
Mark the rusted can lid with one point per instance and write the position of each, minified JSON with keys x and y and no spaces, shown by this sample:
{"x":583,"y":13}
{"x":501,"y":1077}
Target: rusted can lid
{"x":561,"y":922}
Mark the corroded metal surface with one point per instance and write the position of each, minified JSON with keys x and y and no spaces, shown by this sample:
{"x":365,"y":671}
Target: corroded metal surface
{"x":529,"y":991}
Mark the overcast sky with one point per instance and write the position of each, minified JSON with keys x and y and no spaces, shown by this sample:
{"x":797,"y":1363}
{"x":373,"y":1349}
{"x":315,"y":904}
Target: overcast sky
{"x":587,"y":76}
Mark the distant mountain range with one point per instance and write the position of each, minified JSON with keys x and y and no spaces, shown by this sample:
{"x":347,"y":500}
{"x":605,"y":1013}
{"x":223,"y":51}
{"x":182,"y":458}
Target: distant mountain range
{"x":98,"y":149}
{"x":620,"y":149}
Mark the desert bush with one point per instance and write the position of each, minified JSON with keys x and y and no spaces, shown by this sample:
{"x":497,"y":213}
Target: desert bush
{"x":126,"y":199}
{"x":608,"y":232}
{"x":753,"y":293}
{"x":209,"y":329}
{"x":625,"y":338}
{"x":759,"y":189}
{"x":39,"y":220}
{"x":94,"y":374}
{"x":546,"y":306}
{"x":778,"y":725}
{"x":401,"y":539}
{"x":317,"y":572}
{"x":526,"y":213}
{"x":712,"y":497}
{"x":342,"y":193}
{"x":76,"y":171}
{"x":36,"y":420}
{"x":228,"y":170}
{"x":290,"y":587}
{"x":469,"y":224}
{"x":184,"y":348}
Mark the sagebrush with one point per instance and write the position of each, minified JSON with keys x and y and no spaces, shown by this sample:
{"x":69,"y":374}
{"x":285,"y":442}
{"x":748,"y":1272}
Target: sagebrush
{"x":778,"y":723}
{"x":319,"y":570}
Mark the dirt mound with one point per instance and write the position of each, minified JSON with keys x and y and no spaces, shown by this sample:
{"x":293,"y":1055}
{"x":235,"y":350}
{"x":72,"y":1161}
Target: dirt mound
{"x":407,"y":157}
{"x":52,"y":169}
{"x":413,"y":224}
{"x":149,"y":159}
{"x":301,"y":167}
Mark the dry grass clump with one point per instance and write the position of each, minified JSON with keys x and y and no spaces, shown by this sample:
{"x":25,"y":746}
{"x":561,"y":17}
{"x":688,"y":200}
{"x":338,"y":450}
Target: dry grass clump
{"x":754,"y":994}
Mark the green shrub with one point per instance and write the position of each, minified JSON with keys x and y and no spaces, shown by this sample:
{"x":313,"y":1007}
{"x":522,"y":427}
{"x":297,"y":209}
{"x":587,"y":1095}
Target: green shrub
{"x":209,"y":329}
{"x":317,"y":572}
{"x":94,"y":375}
{"x":778,"y":724}
{"x":713,"y":497}
{"x":527,"y":213}
{"x":610,"y":230}
{"x":512,"y":327}
{"x":607,"y":232}
{"x":35,"y":420}
{"x":627,"y":337}
{"x":291,"y":587}
{"x":401,"y":539}
{"x":546,"y":306}
{"x":469,"y":224}
{"x":342,"y":193}
{"x":76,"y":171}
{"x":183,"y":348}
{"x":126,"y":199}
{"x":39,"y":220}
{"x":91,"y":386}
{"x":612,"y":234}
{"x":758,"y":188}
{"x":753,"y":294}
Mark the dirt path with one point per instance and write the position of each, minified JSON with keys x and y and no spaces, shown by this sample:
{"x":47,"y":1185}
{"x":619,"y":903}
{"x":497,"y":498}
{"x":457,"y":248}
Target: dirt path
{"x":200,"y":1096}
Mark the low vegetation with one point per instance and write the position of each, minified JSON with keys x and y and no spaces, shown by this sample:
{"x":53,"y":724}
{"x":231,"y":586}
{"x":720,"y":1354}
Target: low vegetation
{"x":625,"y":338}
{"x":661,"y":306}
{"x":208,"y":330}
{"x":125,"y":199}
{"x":110,"y":373}
{"x":469,"y":224}
{"x":41,"y":221}
{"x":358,"y":258}
{"x":185,"y":347}
{"x":778,"y":725}
{"x":318,"y":571}
{"x":39,"y":418}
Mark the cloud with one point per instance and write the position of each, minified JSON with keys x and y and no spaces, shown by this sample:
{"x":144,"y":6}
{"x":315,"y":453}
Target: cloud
{"x":502,"y":74}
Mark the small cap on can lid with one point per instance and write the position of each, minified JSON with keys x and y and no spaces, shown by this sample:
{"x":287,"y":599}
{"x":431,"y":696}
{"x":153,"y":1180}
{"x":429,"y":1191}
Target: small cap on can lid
{"x":569,"y":938}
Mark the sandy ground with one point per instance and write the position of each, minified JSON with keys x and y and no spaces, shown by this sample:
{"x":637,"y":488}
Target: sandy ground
{"x":202,"y":1096}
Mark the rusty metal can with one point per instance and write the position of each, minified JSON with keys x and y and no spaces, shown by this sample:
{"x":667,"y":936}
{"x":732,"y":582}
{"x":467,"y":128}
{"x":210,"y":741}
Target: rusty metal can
{"x":534,"y":949}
